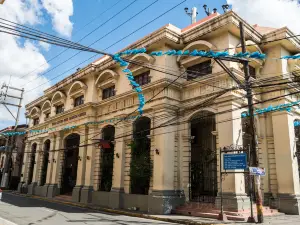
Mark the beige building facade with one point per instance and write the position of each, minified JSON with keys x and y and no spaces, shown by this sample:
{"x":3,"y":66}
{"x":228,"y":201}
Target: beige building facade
{"x":169,"y":155}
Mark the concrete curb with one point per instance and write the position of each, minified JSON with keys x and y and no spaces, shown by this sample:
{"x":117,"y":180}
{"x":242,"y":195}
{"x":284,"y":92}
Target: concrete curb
{"x":114,"y":211}
{"x":6,"y":222}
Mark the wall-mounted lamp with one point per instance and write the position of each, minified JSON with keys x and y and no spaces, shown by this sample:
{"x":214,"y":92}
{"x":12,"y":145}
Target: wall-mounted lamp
{"x":117,"y":154}
{"x":207,"y":11}
{"x":214,"y":133}
{"x":157,"y":151}
{"x":88,"y":158}
{"x":79,"y":158}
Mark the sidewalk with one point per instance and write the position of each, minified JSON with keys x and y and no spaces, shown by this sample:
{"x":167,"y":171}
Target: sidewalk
{"x":24,"y":212}
{"x":37,"y":210}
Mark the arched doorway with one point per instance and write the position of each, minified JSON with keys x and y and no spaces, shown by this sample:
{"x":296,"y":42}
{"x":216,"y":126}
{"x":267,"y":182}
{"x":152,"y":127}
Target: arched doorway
{"x":70,"y":164}
{"x":45,"y":162}
{"x":31,"y":163}
{"x":203,"y":164}
{"x":141,"y":164}
{"x":107,"y":159}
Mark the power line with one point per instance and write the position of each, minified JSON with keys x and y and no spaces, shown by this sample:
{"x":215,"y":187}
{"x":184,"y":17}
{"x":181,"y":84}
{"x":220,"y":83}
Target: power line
{"x":195,"y":120}
{"x":74,"y":34}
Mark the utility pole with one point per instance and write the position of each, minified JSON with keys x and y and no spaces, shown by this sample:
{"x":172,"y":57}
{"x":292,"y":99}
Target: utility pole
{"x":253,"y":144}
{"x":192,"y":14}
{"x":4,"y":181}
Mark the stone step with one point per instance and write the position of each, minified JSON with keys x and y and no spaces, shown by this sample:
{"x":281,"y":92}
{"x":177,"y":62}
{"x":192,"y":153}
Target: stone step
{"x":208,"y":215}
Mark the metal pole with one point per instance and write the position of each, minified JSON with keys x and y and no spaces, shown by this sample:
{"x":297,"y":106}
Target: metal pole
{"x":221,"y":183}
{"x":251,"y":217}
{"x":254,"y":162}
{"x":222,"y":216}
{"x":4,"y":182}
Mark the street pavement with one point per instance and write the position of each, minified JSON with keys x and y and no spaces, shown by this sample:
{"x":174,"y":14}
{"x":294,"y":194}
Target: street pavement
{"x":27,"y":211}
{"x":21,"y":210}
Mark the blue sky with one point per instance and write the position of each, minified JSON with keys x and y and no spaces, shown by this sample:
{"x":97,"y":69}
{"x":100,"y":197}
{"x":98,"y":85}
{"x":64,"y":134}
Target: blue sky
{"x":84,"y":13}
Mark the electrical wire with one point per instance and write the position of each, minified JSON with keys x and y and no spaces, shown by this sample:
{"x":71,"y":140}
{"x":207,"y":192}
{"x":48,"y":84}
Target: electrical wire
{"x":54,"y":57}
{"x":182,"y":122}
{"x":149,"y":23}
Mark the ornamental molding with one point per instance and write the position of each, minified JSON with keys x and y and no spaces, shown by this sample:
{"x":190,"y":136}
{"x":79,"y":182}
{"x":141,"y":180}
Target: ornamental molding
{"x":216,"y":24}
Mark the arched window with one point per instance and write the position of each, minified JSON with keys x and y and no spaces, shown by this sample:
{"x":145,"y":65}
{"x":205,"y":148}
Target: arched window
{"x":141,"y":164}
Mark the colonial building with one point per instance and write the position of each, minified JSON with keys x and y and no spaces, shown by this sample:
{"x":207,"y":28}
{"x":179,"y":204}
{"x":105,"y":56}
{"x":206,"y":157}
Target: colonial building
{"x":169,"y":155}
{"x":15,"y":163}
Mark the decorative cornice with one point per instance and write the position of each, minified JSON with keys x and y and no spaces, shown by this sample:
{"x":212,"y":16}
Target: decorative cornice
{"x":217,"y":23}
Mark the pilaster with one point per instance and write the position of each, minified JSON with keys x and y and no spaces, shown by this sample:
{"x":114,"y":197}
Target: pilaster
{"x":86,"y":193}
{"x":164,"y":196}
{"x":57,"y":161}
{"x":286,"y":162}
{"x":80,"y":178}
{"x":119,"y":164}
{"x":24,"y":173}
{"x":229,"y":129}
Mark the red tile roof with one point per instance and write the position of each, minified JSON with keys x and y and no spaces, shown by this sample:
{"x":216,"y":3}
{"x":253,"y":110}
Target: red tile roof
{"x":201,"y":21}
{"x":263,"y":30}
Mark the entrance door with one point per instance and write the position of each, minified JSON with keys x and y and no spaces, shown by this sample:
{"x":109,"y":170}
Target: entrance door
{"x":70,"y":164}
{"x":203,"y":165}
{"x":107,"y":159}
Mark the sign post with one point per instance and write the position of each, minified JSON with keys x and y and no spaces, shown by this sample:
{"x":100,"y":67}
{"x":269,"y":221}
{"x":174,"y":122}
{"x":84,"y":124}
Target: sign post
{"x":232,"y":158}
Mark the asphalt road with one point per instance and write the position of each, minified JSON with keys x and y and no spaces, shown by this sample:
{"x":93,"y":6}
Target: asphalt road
{"x":27,"y":211}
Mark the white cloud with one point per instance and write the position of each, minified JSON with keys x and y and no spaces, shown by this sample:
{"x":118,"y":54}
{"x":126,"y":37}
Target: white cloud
{"x":45,"y":45}
{"x":60,"y":11}
{"x":272,"y":13}
{"x":22,"y":61}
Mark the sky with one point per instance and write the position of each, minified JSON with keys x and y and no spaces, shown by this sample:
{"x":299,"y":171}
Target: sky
{"x":36,"y":66}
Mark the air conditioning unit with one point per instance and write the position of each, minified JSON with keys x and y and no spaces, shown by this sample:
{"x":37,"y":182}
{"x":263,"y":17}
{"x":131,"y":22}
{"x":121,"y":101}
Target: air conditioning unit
{"x":2,"y":1}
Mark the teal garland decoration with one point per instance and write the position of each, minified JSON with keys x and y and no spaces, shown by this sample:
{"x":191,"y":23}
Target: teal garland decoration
{"x":71,"y":127}
{"x":297,"y":123}
{"x":282,"y":107}
{"x":210,"y":54}
{"x":297,"y":56}
{"x":129,"y":75}
{"x":13,"y":133}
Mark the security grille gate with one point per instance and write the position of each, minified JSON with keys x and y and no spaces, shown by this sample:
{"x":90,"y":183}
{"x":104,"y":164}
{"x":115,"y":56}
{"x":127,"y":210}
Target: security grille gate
{"x":203,"y":164}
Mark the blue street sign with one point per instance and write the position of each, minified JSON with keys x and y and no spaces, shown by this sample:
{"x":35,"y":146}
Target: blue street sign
{"x":235,"y":161}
